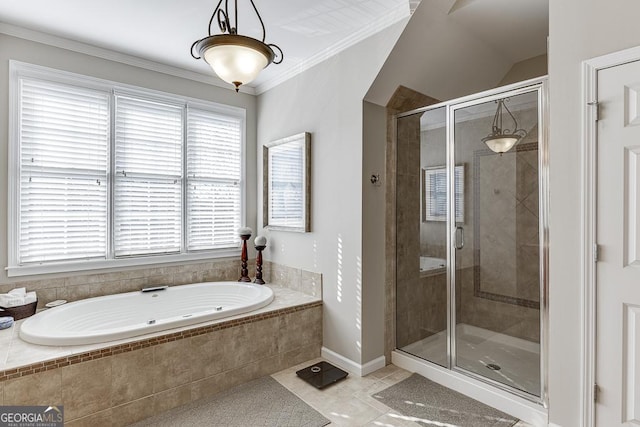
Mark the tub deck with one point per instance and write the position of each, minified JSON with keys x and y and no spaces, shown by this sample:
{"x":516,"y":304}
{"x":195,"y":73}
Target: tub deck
{"x":20,"y":358}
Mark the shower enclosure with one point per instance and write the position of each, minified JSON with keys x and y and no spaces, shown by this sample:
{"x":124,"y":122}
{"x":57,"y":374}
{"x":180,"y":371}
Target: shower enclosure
{"x":471,"y":237}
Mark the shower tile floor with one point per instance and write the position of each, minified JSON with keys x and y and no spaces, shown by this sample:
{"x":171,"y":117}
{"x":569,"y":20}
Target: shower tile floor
{"x":478,"y":348}
{"x":349,"y":402}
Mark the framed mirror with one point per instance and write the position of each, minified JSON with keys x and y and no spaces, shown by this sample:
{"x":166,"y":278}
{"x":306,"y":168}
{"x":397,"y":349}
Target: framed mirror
{"x":286,"y":183}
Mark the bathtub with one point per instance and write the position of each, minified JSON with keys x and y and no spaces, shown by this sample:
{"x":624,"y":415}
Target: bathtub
{"x":120,"y":316}
{"x":428,"y":263}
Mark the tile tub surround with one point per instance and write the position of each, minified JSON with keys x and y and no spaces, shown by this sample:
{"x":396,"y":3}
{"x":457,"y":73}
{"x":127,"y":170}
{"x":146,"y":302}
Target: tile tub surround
{"x":304,"y":281}
{"x":77,"y":286}
{"x":124,"y":381}
{"x":81,"y":286}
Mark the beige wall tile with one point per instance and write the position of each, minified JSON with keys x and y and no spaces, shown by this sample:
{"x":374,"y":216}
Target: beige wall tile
{"x":171,"y":398}
{"x":35,"y":285}
{"x":132,"y":376}
{"x":86,"y":388}
{"x":1,"y":393}
{"x":78,"y":292}
{"x":133,"y":412}
{"x":266,"y":271}
{"x":207,"y":354}
{"x":43,"y":388}
{"x":187,"y":277}
{"x":82,"y":286}
{"x":286,"y":276}
{"x":99,"y":419}
{"x":262,"y":367}
{"x":299,"y":355}
{"x":250,"y":342}
{"x":311,"y":283}
{"x":300,"y":329}
{"x":209,"y":386}
{"x":236,"y":377}
{"x":45,"y":296}
{"x":172,"y":362}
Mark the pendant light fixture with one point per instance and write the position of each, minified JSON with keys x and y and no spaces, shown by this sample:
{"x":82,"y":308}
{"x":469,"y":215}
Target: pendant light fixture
{"x":236,"y":59}
{"x":502,"y":139}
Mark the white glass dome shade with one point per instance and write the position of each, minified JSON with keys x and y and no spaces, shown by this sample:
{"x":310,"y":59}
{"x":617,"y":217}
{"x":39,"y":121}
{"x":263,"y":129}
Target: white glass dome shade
{"x":234,"y":58}
{"x":501,"y":144}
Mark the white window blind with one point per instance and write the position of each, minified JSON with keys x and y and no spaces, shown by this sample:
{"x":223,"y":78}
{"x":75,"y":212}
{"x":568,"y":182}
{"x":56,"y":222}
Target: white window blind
{"x":148,"y":178}
{"x":213,"y":179}
{"x":103,"y":174}
{"x":286,"y":185}
{"x":64,"y":140}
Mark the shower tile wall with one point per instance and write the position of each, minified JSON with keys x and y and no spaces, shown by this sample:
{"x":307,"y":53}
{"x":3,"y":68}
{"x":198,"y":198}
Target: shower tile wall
{"x":411,"y":300}
{"x":402,"y":100}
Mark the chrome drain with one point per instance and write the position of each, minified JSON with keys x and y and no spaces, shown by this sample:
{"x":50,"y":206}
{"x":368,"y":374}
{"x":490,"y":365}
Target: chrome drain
{"x":493,"y":366}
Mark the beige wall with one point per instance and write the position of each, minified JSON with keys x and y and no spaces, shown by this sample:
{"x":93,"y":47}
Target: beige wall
{"x":438,"y":58}
{"x":12,"y":48}
{"x":579,"y":30}
{"x":525,"y":70}
{"x":373,"y":226}
{"x":326,"y":101}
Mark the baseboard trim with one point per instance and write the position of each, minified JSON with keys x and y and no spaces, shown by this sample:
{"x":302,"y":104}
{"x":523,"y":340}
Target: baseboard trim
{"x":351,"y":366}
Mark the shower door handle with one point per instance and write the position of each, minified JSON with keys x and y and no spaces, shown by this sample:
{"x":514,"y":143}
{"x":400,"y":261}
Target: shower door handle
{"x":459,"y":238}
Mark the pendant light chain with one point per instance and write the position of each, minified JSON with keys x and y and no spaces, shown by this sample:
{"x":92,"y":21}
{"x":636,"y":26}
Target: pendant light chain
{"x":225,"y":25}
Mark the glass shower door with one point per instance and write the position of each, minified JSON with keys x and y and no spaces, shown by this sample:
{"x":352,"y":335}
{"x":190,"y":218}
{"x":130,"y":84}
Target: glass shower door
{"x":496,"y":239}
{"x":422,"y":292}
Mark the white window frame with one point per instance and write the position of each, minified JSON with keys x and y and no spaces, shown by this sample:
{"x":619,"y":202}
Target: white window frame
{"x":19,"y":70}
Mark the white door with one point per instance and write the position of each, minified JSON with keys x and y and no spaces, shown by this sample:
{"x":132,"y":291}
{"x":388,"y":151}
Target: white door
{"x":618,"y":234}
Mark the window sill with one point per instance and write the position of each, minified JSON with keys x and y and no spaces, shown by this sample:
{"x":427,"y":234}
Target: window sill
{"x":90,"y":266}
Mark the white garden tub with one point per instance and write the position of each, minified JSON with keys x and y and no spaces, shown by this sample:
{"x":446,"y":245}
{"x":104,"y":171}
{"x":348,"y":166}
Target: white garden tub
{"x":114,"y":317}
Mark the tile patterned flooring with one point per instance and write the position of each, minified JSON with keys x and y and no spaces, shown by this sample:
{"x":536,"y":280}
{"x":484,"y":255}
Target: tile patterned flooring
{"x":349,"y":402}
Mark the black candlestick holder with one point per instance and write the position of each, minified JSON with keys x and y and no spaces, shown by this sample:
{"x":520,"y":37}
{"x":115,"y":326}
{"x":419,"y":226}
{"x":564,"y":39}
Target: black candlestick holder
{"x":244,"y":273}
{"x":259,"y":250}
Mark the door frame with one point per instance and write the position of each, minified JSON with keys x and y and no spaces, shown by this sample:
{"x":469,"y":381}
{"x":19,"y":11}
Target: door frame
{"x":589,"y":181}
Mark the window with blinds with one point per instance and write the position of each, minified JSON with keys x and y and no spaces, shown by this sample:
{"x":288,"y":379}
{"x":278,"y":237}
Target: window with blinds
{"x":213,"y":179}
{"x":64,"y":140}
{"x":147,"y":195}
{"x":106,"y":173}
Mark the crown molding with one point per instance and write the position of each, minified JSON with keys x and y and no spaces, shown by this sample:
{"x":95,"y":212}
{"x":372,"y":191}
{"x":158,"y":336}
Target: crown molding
{"x":394,"y":16}
{"x":111,"y":55}
{"x":399,"y":13}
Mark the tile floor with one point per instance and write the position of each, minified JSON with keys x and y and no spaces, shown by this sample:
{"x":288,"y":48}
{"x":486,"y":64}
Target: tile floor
{"x":349,"y":402}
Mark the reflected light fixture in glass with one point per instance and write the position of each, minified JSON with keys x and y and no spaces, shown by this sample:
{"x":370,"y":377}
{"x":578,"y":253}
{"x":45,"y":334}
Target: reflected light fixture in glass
{"x":502,"y":139}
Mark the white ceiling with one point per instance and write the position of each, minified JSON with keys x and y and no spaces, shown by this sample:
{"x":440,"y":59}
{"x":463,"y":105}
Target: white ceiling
{"x":306,"y":30}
